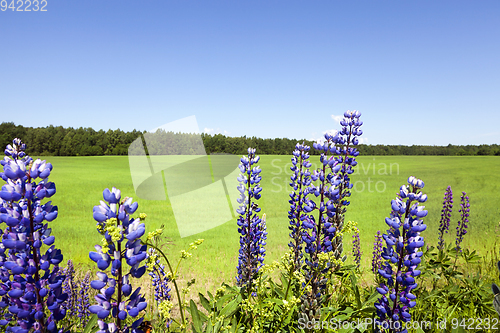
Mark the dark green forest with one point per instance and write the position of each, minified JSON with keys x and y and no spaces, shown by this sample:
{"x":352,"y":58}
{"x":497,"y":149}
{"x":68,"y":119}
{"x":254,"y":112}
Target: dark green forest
{"x":60,"y":141}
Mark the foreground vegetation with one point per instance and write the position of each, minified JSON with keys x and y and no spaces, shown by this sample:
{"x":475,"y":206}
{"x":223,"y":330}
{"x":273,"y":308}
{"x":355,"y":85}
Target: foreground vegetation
{"x":286,"y":294}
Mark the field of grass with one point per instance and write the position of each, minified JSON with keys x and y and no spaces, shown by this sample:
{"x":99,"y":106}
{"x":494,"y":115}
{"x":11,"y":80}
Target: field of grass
{"x":81,"y":180}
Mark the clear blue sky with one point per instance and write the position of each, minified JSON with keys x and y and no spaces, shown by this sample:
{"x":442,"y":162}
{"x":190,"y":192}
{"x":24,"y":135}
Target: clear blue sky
{"x":421,"y":72}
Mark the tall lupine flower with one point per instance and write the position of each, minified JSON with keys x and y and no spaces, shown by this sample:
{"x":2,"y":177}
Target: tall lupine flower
{"x":83,"y":300}
{"x":300,"y":180}
{"x":346,"y":153}
{"x":31,"y":287}
{"x":464,"y":219}
{"x":356,"y":248}
{"x":322,"y":236}
{"x":444,"y":225}
{"x":251,"y":227}
{"x":319,"y":234}
{"x":397,"y":299}
{"x":70,"y":288}
{"x":121,"y":245}
{"x":160,"y":281}
{"x":377,"y":253}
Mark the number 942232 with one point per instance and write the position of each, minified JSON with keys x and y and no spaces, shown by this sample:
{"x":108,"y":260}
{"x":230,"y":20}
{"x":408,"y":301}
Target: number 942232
{"x":24,"y":5}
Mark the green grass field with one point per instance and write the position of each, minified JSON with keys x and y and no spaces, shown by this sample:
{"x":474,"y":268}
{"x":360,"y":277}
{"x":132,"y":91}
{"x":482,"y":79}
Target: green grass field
{"x":81,"y":180}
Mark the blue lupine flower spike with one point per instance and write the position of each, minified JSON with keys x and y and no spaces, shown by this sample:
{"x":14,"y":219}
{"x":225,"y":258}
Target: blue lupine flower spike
{"x":464,"y":220}
{"x":31,"y":283}
{"x":300,"y":181}
{"x":356,"y":248}
{"x":332,"y":188}
{"x":252,"y":228}
{"x":401,"y":256}
{"x":377,"y":253}
{"x":444,"y":224}
{"x":119,"y":260}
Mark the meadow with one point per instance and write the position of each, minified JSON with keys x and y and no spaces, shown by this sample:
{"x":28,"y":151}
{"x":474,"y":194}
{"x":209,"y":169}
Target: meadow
{"x":81,"y":180}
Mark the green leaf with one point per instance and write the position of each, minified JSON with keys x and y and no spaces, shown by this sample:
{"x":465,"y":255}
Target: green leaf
{"x":280,"y":293}
{"x":284,"y":281}
{"x":230,"y":308}
{"x":276,"y":301}
{"x":356,"y":290}
{"x":234,"y":324}
{"x":221,"y":301}
{"x":196,"y":317}
{"x":89,"y":328}
{"x":204,"y":302}
{"x":372,"y":298}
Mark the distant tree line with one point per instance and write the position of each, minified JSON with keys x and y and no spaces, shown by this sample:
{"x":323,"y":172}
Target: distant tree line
{"x":60,"y":141}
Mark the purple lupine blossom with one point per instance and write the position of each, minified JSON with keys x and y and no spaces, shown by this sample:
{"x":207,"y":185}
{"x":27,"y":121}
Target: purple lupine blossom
{"x":319,"y":234}
{"x":122,"y":236}
{"x":464,"y":220}
{"x":346,"y":157}
{"x":332,"y":188}
{"x":160,"y":283}
{"x":397,"y":299}
{"x":300,"y":180}
{"x":83,"y":300}
{"x":69,"y":287}
{"x":377,"y":253}
{"x":251,"y":227}
{"x":356,"y":248}
{"x":31,"y":287}
{"x":444,"y":225}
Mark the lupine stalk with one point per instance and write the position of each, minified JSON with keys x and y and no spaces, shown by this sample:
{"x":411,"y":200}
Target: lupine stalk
{"x":31,"y":286}
{"x":356,"y":248}
{"x":160,"y":281}
{"x":346,"y":158}
{"x":121,"y":245}
{"x":251,"y":227}
{"x":464,"y":220}
{"x":83,"y":300}
{"x":319,"y":233}
{"x":300,"y":180}
{"x":323,"y":235}
{"x":444,"y":224}
{"x":69,"y":287}
{"x":393,"y":308}
{"x":377,"y":253}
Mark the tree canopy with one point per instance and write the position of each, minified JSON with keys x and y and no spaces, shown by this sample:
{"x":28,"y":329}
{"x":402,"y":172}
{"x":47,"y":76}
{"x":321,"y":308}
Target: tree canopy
{"x":60,"y":141}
